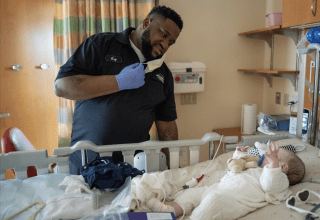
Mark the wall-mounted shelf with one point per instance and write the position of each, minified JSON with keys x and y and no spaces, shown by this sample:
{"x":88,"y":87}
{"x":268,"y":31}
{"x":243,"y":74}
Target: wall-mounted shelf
{"x":267,"y":34}
{"x":269,"y":74}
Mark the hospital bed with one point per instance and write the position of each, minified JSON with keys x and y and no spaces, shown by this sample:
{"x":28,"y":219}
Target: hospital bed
{"x":18,"y":193}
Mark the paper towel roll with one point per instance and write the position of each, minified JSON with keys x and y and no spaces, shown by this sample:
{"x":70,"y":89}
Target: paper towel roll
{"x":248,"y":118}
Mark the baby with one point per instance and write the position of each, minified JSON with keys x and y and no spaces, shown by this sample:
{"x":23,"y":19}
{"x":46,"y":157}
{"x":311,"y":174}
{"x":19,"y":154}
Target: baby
{"x":238,"y":194}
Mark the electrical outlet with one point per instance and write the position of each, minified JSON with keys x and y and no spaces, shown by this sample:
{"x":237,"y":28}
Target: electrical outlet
{"x":183,"y":156}
{"x":285,"y":99}
{"x":188,"y":98}
{"x":278,"y":98}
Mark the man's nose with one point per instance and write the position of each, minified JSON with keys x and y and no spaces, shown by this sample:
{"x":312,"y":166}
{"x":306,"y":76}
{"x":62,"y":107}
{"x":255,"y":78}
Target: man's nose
{"x":165,"y":45}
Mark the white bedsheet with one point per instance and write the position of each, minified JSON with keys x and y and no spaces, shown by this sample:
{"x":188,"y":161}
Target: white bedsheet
{"x":17,"y":194}
{"x":147,"y":187}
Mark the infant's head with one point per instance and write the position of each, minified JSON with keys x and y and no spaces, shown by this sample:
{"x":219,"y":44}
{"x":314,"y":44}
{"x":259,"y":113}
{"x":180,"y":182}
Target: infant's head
{"x":291,"y":165}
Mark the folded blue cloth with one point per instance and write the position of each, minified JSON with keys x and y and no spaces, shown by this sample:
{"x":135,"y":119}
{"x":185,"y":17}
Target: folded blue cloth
{"x":102,"y":173}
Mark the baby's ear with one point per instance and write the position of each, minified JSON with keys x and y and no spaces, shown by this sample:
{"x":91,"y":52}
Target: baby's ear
{"x":284,"y":168}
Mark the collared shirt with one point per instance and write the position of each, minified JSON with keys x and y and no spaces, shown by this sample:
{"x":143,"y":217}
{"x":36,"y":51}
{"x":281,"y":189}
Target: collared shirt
{"x":125,"y":116}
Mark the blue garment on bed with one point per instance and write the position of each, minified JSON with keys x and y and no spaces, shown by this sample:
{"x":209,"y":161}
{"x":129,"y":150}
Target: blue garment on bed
{"x":261,"y":160}
{"x":102,"y":173}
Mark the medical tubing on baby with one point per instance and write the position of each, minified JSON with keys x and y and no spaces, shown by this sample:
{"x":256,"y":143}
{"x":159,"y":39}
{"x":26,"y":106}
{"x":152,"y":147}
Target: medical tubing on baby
{"x":131,"y":77}
{"x":164,"y":192}
{"x":194,"y":181}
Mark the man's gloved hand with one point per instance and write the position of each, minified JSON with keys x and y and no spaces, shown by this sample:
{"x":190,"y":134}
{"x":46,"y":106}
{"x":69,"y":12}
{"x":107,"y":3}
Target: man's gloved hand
{"x":131,"y":77}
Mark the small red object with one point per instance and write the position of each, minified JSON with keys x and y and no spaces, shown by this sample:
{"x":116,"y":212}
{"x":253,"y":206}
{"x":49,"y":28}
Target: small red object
{"x":200,"y":178}
{"x":177,"y":78}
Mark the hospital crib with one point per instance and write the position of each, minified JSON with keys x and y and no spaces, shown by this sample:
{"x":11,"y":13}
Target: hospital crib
{"x":20,"y":160}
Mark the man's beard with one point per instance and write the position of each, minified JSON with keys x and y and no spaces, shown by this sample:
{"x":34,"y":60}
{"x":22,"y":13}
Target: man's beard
{"x":147,"y":47}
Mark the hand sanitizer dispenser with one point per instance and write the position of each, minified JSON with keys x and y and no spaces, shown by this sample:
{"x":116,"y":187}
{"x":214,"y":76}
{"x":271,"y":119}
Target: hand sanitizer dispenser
{"x":188,"y":77}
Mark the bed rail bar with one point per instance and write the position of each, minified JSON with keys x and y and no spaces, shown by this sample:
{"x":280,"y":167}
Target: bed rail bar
{"x":151,"y":149}
{"x":20,"y":160}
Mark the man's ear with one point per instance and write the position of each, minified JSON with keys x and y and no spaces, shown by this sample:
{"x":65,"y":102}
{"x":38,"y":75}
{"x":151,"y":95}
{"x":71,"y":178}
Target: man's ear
{"x":284,"y":168}
{"x":146,"y":22}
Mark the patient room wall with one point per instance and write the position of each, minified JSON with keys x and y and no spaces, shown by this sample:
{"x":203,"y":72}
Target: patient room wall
{"x":284,"y":58}
{"x":210,"y":35}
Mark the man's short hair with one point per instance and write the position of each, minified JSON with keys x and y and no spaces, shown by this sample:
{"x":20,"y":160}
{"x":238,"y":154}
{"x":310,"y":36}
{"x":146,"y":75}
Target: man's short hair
{"x":167,"y":12}
{"x":296,"y":169}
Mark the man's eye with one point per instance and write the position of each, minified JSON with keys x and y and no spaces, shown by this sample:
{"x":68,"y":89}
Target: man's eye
{"x":164,"y":35}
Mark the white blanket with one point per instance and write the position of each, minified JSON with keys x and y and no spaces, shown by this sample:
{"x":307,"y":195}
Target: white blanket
{"x":148,"y":186}
{"x":250,"y":189}
{"x":15,"y":194}
{"x":166,"y":184}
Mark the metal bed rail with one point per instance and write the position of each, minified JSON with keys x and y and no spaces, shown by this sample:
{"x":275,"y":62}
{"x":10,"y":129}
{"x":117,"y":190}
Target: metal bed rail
{"x":20,"y":160}
{"x":152,"y":150}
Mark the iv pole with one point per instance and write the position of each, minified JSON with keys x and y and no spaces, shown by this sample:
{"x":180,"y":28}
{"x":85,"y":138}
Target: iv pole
{"x":311,"y":48}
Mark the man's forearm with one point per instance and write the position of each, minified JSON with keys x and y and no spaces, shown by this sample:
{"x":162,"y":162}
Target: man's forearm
{"x":82,"y":87}
{"x":167,"y":131}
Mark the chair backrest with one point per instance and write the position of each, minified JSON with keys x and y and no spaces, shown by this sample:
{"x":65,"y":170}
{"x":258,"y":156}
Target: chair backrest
{"x":14,"y":140}
{"x":6,"y":143}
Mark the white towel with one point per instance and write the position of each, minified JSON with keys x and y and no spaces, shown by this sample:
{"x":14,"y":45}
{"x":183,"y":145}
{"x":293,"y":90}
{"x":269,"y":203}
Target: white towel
{"x":75,"y":184}
{"x":78,"y":200}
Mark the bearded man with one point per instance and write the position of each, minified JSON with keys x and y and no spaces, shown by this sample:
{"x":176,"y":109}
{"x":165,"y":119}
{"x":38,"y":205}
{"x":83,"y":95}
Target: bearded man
{"x":122,"y":86}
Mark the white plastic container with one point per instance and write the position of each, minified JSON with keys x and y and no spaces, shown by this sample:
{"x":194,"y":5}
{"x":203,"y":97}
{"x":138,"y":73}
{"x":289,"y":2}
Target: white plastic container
{"x":188,"y":77}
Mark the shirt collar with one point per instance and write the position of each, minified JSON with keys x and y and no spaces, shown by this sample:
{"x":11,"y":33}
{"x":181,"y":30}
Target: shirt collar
{"x":123,"y":37}
{"x":138,"y":52}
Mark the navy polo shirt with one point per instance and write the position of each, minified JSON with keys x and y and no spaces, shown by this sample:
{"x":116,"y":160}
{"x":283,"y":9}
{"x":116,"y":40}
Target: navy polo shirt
{"x":125,"y":116}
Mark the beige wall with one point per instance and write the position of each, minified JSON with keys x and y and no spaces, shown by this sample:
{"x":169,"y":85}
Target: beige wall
{"x":210,"y":35}
{"x":284,"y":58}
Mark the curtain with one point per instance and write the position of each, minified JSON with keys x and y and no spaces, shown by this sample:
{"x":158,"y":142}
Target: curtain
{"x":76,"y":20}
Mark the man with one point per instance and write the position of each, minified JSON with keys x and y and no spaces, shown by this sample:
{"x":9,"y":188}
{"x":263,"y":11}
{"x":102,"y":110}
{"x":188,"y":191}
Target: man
{"x":117,"y":102}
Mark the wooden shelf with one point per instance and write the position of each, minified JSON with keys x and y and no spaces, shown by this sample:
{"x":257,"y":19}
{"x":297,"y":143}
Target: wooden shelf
{"x":268,"y":30}
{"x":292,"y":75}
{"x":267,"y":34}
{"x":268,"y":71}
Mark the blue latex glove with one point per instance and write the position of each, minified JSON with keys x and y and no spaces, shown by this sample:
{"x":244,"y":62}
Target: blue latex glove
{"x":131,"y":77}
